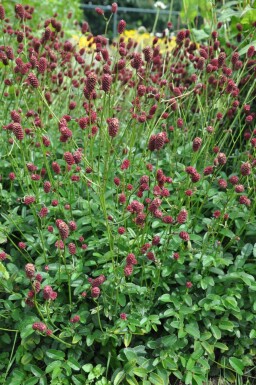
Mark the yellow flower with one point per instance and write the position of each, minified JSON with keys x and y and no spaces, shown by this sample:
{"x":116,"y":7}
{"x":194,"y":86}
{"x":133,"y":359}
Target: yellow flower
{"x":144,"y":38}
{"x":83,"y":41}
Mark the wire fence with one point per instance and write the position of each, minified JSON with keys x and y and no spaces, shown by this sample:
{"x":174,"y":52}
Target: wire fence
{"x":127,"y":10}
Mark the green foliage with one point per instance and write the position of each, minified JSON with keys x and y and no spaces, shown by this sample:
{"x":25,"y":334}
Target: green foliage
{"x":127,"y":225}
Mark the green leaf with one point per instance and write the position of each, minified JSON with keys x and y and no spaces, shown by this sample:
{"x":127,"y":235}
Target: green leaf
{"x":26,"y":358}
{"x":38,"y":354}
{"x":129,"y":366}
{"x":165,"y":298}
{"x":168,"y":313}
{"x":187,"y":298}
{"x":55,"y":354}
{"x":36,"y":371}
{"x":15,"y":296}
{"x":188,"y":378}
{"x":3,"y":238}
{"x":76,"y":338}
{"x":155,"y":379}
{"x":121,"y":299}
{"x":78,"y":380}
{"x":31,"y":381}
{"x":42,"y":381}
{"x":87,"y":368}
{"x":127,"y":339}
{"x":199,"y":380}
{"x":254,"y":250}
{"x":130,"y":354}
{"x":198,"y":351}
{"x":193,"y":330}
{"x":230,"y":303}
{"x":227,"y":233}
{"x":119,"y":377}
{"x":226,"y":325}
{"x":52,"y":366}
{"x":227,"y":14}
{"x":26,"y":331}
{"x":221,"y":346}
{"x":89,"y":340}
{"x":6,"y":338}
{"x":140,"y":372}
{"x":190,"y":364}
{"x":131,"y":380}
{"x":248,"y":15}
{"x":209,"y":348}
{"x":3,"y":272}
{"x":247,"y":249}
{"x":73,"y":364}
{"x":237,"y":365}
{"x":216,"y":332}
{"x":200,"y":34}
{"x":252,"y":333}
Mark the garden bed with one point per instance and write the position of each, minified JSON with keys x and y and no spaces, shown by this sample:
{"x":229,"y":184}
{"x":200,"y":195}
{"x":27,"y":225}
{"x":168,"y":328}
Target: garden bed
{"x":127,"y":222}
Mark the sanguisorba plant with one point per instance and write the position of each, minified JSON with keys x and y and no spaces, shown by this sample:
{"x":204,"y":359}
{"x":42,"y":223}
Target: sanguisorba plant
{"x":127,"y":206}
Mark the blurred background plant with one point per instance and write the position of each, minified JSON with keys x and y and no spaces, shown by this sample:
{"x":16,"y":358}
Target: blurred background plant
{"x":68,"y":12}
{"x":134,"y":20}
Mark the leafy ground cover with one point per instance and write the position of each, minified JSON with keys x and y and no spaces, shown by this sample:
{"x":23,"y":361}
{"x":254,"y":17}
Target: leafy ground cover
{"x":127,"y":204}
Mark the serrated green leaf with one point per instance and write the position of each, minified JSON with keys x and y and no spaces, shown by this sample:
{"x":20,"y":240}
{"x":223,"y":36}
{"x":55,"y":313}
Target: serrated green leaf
{"x":130,"y":354}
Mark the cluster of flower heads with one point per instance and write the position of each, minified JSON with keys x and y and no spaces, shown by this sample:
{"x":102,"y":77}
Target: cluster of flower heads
{"x":45,"y":68}
{"x":36,"y":279}
{"x":42,"y":328}
{"x":95,"y":285}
